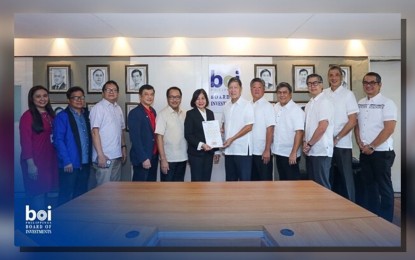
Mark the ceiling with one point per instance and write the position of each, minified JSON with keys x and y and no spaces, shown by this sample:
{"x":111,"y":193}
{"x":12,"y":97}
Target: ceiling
{"x":339,"y":26}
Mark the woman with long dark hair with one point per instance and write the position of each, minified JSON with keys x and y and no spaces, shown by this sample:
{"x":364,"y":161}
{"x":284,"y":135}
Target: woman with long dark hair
{"x":38,"y":158}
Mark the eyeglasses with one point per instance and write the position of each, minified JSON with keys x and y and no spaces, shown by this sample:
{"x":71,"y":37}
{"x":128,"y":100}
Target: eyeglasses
{"x":315,"y":83}
{"x":78,"y":98}
{"x":175,"y":97}
{"x":110,"y":90}
{"x":372,"y":83}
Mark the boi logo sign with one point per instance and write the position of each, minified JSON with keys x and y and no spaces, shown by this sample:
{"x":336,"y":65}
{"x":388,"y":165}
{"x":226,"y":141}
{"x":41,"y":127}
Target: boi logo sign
{"x":38,"y":222}
{"x":41,"y":215}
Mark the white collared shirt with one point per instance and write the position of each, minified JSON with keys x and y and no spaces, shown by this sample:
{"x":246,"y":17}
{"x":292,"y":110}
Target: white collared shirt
{"x":170,"y":124}
{"x":235,"y":117}
{"x":264,"y":118}
{"x":289,"y":119}
{"x":318,"y":109}
{"x":372,"y":115}
{"x":108,"y":117}
{"x":345,"y":104}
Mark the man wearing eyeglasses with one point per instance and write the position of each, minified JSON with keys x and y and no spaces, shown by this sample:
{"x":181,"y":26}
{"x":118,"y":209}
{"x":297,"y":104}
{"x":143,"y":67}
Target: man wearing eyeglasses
{"x":72,"y":140}
{"x":345,"y":119}
{"x":171,"y":143}
{"x":108,"y":135}
{"x":376,"y":123}
{"x":318,"y":135}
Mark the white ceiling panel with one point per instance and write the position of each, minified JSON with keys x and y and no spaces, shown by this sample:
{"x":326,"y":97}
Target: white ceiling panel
{"x":207,"y":25}
{"x":351,"y":26}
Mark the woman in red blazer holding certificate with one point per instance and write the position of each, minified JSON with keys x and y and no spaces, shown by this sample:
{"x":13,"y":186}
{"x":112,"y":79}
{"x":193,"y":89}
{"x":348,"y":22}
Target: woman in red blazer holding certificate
{"x":201,"y":156}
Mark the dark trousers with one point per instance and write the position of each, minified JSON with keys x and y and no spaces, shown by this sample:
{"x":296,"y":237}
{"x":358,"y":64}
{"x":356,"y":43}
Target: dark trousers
{"x":261,"y":171}
{"x":201,"y":167}
{"x":341,"y":173}
{"x":141,"y":174}
{"x":73,"y":184}
{"x":238,"y":167}
{"x":376,"y":175}
{"x":175,"y":173}
{"x":318,"y":169}
{"x":286,"y":171}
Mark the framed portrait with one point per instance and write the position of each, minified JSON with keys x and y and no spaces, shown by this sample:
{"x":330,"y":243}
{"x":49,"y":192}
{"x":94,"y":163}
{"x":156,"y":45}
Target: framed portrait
{"x":267,"y":72}
{"x":90,"y":105}
{"x":59,"y":78}
{"x":347,"y":76}
{"x":128,"y":107}
{"x":135,"y":77}
{"x":58,"y":106}
{"x":96,"y":76}
{"x":300,"y":73}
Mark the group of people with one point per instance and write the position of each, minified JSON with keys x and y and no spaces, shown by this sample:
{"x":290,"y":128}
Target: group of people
{"x":59,"y":151}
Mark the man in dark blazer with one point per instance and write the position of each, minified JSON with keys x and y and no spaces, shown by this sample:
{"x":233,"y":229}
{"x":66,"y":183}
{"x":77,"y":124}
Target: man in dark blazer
{"x":201,"y":155}
{"x":141,"y":125}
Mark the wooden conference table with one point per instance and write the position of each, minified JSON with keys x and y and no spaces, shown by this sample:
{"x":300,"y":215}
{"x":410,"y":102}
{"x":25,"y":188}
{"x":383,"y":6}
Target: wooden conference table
{"x":284,"y":213}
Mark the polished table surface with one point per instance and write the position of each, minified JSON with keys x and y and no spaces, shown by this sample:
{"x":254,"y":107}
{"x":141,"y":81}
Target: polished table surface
{"x":300,"y":206}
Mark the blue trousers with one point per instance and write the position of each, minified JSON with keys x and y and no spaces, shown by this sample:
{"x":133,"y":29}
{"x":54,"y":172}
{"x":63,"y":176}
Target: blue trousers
{"x":73,"y":184}
{"x":175,"y":173}
{"x":376,"y":175}
{"x":238,"y":167}
{"x":318,"y":169}
{"x":341,"y":173}
{"x":141,"y":174}
{"x":286,"y":171}
{"x":261,"y":171}
{"x":201,"y":167}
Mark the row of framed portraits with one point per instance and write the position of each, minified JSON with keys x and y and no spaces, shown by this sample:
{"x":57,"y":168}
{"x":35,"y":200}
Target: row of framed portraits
{"x":268,"y":72}
{"x":59,"y":77}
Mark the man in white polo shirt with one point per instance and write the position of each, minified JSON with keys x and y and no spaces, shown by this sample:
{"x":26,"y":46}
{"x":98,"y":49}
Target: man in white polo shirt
{"x":171,"y":143}
{"x":288,"y":133}
{"x":237,"y":122}
{"x":108,"y":135}
{"x":345,"y":119}
{"x":262,"y":132}
{"x":318,"y":136}
{"x":376,"y":124}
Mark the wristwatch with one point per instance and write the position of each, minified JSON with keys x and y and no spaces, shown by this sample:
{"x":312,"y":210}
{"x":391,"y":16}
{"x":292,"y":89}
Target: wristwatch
{"x":371,"y":147}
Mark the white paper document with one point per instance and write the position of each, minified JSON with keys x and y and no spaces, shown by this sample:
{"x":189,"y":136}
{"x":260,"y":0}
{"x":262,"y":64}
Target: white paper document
{"x":212,"y":133}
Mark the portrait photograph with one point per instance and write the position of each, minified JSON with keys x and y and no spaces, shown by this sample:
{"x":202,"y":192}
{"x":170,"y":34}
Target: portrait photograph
{"x":268,"y":73}
{"x":97,"y":75}
{"x":135,"y":77}
{"x":347,"y":75}
{"x":128,"y":107}
{"x":58,"y":78}
{"x":300,"y":73}
{"x":58,"y":106}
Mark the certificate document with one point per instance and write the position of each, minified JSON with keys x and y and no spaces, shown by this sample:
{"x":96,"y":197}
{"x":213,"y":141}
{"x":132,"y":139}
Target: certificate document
{"x":212,"y":133}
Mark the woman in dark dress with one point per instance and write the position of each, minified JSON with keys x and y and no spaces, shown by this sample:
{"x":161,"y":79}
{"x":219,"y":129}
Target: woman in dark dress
{"x":201,"y":156}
